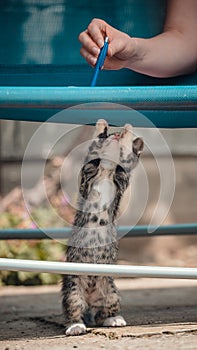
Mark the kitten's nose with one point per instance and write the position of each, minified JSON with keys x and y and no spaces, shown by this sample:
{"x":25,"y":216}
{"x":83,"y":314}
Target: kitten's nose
{"x":116,"y":136}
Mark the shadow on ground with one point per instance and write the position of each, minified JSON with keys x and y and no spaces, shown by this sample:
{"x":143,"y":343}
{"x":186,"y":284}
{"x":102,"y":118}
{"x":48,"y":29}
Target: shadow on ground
{"x":35,"y":312}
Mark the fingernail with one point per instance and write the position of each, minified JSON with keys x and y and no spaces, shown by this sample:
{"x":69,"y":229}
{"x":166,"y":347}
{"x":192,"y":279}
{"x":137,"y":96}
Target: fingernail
{"x":95,"y":50}
{"x":100,"y":43}
{"x":92,"y":60}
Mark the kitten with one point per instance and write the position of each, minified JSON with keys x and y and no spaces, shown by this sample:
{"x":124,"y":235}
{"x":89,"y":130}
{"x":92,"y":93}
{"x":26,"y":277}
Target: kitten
{"x":105,"y":176}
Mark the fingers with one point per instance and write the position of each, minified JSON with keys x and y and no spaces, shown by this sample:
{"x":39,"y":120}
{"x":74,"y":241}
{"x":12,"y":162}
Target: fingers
{"x":88,"y":43}
{"x":88,"y":56}
{"x":93,"y":37}
{"x":120,"y":48}
{"x":89,"y":49}
{"x":97,"y":30}
{"x":92,"y":40}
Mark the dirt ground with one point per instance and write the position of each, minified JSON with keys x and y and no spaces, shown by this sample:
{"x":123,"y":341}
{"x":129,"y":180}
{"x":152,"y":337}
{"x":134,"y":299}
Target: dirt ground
{"x":160,"y":313}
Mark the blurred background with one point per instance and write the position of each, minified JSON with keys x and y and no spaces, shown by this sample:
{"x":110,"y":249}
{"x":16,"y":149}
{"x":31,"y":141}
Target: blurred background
{"x":39,"y":47}
{"x":61,"y":162}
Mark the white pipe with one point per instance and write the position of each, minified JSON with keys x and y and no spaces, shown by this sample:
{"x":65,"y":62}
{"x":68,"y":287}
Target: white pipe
{"x":97,"y":269}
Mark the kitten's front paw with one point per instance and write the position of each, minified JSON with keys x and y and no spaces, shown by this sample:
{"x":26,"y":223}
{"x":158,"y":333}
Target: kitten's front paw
{"x":126,"y":134}
{"x":116,"y":321}
{"x":76,"y":329}
{"x":128,"y":128}
{"x":101,"y":125}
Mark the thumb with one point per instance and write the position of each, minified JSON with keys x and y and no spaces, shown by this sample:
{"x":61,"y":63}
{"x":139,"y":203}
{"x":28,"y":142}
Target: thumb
{"x":115,"y":46}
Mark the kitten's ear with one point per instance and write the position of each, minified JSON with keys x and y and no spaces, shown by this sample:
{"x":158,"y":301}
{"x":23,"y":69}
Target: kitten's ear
{"x":138,"y":145}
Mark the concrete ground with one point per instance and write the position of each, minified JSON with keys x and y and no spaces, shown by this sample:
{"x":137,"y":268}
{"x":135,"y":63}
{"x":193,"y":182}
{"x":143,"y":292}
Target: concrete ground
{"x":161,"y":314}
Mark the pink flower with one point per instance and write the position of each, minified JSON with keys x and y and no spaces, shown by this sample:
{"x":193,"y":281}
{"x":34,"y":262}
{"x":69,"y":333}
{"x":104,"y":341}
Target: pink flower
{"x":33,"y":225}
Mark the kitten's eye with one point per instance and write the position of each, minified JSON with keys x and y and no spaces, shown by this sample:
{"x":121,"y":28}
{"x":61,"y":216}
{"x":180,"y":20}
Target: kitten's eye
{"x":121,"y":178}
{"x":88,"y":172}
{"x":91,"y":167}
{"x":119,"y":169}
{"x":95,"y":162}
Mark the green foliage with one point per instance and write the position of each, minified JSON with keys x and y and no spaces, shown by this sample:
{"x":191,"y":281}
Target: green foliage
{"x":35,"y":250}
{"x":29,"y":249}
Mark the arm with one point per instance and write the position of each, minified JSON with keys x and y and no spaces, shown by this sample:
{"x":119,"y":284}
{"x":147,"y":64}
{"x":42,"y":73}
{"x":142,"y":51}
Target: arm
{"x":171,"y":53}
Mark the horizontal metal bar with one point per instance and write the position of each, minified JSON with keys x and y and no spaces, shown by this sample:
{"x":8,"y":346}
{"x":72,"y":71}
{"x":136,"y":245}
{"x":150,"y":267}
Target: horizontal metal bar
{"x":123,"y":231}
{"x":60,"y":97}
{"x":97,"y":269}
{"x":177,"y":105}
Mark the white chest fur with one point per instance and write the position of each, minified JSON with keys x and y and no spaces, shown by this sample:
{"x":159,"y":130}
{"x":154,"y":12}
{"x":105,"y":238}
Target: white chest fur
{"x":106,"y":191}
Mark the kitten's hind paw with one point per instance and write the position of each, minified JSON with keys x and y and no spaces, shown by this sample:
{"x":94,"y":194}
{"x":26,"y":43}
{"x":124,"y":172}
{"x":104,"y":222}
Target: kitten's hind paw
{"x":76,"y":329}
{"x":116,"y":321}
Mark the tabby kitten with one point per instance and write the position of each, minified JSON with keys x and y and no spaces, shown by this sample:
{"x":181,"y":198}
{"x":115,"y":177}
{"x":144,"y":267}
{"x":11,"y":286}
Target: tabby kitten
{"x":105,"y":176}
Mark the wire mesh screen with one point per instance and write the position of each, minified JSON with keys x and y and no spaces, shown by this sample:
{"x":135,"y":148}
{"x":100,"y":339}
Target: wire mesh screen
{"x":46,"y":31}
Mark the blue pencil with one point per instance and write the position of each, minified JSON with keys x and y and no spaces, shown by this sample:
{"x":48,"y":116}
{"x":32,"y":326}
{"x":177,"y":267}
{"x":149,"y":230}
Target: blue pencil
{"x":100,"y":61}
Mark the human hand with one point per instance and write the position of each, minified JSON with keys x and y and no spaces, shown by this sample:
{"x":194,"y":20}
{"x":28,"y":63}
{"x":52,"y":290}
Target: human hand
{"x":121,"y":47}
